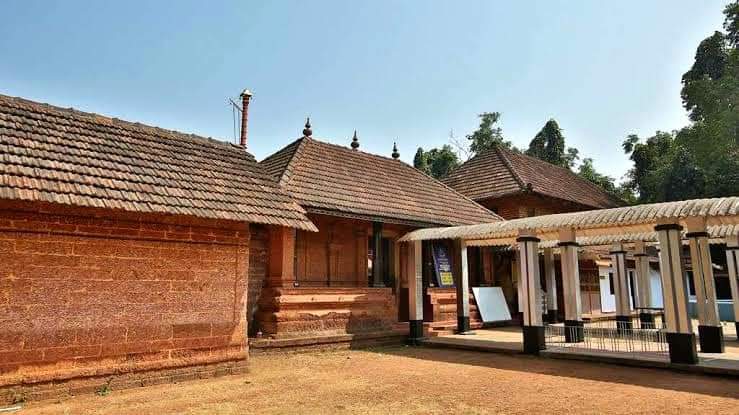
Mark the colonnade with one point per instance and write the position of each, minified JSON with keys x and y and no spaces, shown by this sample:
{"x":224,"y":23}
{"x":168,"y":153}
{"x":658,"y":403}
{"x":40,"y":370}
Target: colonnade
{"x":678,"y":326}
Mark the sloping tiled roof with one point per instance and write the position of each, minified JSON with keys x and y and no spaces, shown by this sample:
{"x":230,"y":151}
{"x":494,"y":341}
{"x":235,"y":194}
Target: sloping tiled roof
{"x":332,"y":179}
{"x":500,"y":172}
{"x":66,"y":156}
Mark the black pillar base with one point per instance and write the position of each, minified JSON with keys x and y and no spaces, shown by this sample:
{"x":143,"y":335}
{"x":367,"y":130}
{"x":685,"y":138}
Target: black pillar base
{"x":533,"y":339}
{"x":463,"y":325}
{"x":415,"y":332}
{"x":646,"y":320}
{"x":682,"y":348}
{"x":574,"y":332}
{"x":623,"y":324}
{"x":552,"y":316}
{"x":711,"y":339}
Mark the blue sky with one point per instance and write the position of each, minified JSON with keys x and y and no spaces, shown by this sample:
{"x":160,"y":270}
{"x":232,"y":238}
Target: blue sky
{"x":393,"y":70}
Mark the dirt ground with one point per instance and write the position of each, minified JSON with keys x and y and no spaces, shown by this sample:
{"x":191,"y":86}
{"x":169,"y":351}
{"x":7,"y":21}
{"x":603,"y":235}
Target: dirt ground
{"x":401,"y":380}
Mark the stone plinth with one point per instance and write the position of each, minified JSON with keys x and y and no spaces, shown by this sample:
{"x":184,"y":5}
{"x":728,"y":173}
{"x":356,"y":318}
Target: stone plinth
{"x":323,"y":311}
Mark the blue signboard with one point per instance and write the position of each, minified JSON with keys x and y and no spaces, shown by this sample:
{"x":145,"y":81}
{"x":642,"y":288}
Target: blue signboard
{"x":442,"y":266}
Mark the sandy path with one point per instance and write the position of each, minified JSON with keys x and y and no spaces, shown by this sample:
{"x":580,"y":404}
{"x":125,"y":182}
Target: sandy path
{"x":419,"y":380}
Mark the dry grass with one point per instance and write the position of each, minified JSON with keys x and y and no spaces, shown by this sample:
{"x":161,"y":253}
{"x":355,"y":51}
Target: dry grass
{"x":419,"y":380}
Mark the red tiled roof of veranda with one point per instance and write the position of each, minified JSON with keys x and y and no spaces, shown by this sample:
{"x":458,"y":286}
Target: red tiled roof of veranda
{"x":331,"y":179}
{"x":69,"y":157}
{"x":501,"y":172}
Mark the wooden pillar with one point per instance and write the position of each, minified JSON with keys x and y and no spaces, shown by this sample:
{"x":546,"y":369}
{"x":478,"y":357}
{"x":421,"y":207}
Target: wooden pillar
{"x":281,"y":271}
{"x":533,"y":327}
{"x":551,"y":279}
{"x":463,"y":289}
{"x":621,"y":286}
{"x":710,"y":333}
{"x":732,"y":262}
{"x":643,"y":285}
{"x":516,"y":279}
{"x":377,"y":277}
{"x":415,"y":292}
{"x":680,"y":336}
{"x":568,"y":256}
{"x":396,"y":267}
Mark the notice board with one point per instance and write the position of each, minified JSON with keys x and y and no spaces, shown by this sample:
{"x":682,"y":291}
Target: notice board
{"x":442,"y":266}
{"x":491,"y":303}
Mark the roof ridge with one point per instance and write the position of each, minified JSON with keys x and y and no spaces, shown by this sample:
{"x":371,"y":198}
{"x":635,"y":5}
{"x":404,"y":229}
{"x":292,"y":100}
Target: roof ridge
{"x":135,"y":126}
{"x":571,"y":173}
{"x":312,"y":167}
{"x":509,"y":166}
{"x":411,"y":168}
{"x":458,"y":193}
{"x":72,"y":158}
{"x":348,"y":149}
{"x":287,"y":173}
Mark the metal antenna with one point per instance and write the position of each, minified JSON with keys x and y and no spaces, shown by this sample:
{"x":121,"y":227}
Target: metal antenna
{"x":235,"y":107}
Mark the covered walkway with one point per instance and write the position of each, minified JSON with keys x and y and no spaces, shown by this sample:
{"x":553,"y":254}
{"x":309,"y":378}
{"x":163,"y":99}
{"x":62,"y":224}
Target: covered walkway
{"x":624,"y":230}
{"x":509,"y":340}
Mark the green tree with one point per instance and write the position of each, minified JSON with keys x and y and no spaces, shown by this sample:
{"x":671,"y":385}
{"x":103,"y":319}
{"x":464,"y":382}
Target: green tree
{"x":709,"y":66}
{"x":607,"y":183}
{"x":549,"y":145}
{"x":682,"y":178}
{"x":437,"y":162}
{"x":648,"y":159}
{"x":572,"y":156}
{"x":731,"y":24}
{"x":420,"y":161}
{"x":441,"y":161}
{"x":487,"y":134}
{"x":701,"y":159}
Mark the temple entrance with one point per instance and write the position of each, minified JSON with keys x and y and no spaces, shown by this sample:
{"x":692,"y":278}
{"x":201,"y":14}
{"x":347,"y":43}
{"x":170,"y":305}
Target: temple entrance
{"x":590,"y":292}
{"x":386,"y":266}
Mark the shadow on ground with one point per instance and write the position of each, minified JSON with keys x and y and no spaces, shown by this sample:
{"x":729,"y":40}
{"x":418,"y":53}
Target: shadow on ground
{"x":602,"y":372}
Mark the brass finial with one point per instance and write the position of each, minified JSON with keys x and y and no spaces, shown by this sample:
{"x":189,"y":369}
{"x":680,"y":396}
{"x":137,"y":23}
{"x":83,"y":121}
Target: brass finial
{"x":355,"y":141}
{"x":307,"y":132}
{"x":395,"y":151}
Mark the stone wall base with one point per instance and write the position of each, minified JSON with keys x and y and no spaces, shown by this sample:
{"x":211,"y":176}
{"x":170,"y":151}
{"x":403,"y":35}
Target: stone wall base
{"x":335,"y":342}
{"x":13,"y":394}
{"x":290,"y":313}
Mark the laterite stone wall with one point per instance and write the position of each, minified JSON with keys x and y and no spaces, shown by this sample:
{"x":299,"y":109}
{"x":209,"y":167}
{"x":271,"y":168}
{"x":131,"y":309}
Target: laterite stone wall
{"x":258,"y":261}
{"x":84,"y":296}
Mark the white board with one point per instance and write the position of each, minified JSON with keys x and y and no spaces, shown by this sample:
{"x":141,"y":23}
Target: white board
{"x":491,"y":304}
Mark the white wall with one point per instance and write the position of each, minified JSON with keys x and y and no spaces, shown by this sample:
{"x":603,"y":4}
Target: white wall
{"x":607,"y":300}
{"x":655,"y":282}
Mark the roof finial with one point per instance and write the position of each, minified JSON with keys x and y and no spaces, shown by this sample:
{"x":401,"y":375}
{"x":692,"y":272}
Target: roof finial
{"x":395,"y":151}
{"x":307,"y":132}
{"x":355,"y":141}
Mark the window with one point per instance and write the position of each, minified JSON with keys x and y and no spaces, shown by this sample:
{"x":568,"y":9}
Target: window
{"x":723,"y":288}
{"x":691,"y":283}
{"x":611,"y":290}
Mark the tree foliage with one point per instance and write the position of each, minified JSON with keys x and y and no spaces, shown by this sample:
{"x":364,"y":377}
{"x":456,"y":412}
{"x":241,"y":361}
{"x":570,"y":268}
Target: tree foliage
{"x":701,"y":159}
{"x":487,"y":134}
{"x":607,"y":183}
{"x":437,"y":162}
{"x":421,"y":162}
{"x":549,"y":145}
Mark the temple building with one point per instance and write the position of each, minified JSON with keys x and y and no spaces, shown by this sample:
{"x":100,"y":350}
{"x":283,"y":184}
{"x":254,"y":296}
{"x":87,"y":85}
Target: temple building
{"x":125,"y":251}
{"x":348,"y":281}
{"x":514,"y":185}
